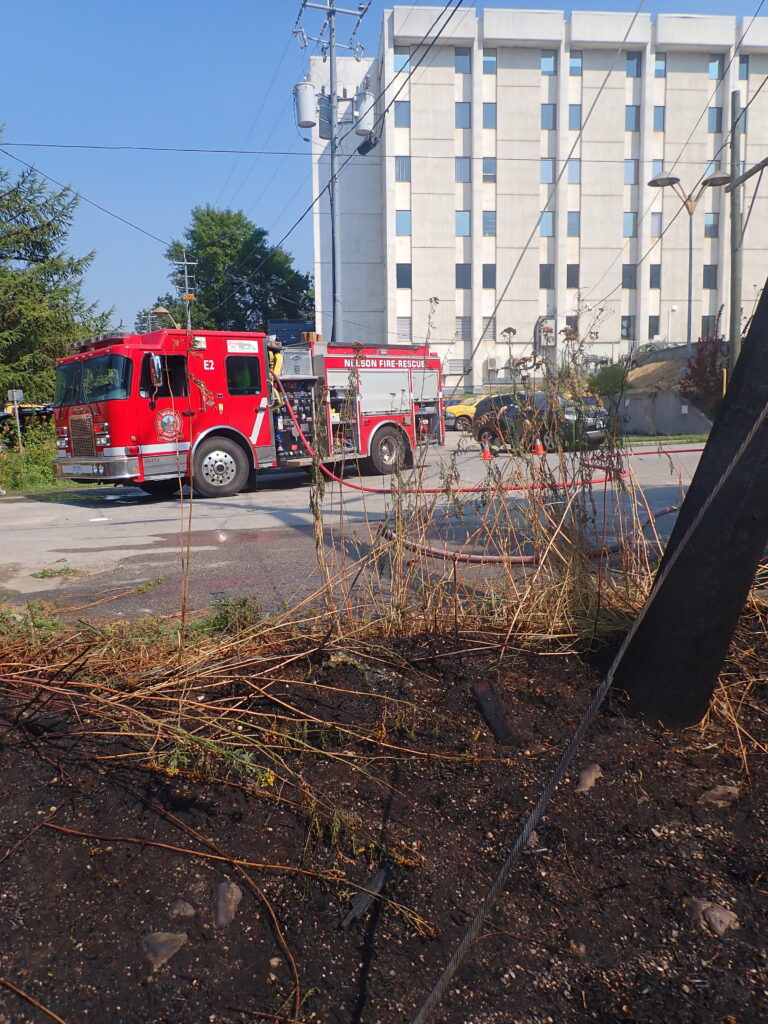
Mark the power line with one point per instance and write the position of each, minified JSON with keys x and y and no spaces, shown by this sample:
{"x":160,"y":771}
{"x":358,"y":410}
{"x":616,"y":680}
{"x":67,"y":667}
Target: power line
{"x":85,"y":199}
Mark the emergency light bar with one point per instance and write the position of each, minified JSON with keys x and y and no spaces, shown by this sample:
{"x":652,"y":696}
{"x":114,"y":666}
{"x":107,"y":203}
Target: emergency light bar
{"x":78,"y":346}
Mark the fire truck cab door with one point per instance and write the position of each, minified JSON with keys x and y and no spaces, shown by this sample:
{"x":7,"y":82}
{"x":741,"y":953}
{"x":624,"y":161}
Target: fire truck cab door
{"x":247,"y":396}
{"x":163,"y":427}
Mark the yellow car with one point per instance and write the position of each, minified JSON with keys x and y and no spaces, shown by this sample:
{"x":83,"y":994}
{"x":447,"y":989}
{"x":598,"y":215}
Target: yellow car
{"x":460,"y":414}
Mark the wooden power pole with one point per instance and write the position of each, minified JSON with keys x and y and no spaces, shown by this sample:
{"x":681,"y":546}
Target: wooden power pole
{"x":671,"y":664}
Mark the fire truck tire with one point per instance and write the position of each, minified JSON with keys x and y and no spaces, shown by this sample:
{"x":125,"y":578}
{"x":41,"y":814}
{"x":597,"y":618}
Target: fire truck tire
{"x":160,"y":488}
{"x":387,"y":451}
{"x":220,"y":468}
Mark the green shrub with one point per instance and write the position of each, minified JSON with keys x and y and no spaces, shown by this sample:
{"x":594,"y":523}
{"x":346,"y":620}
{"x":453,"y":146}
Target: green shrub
{"x":30,"y":469}
{"x":609,"y":380}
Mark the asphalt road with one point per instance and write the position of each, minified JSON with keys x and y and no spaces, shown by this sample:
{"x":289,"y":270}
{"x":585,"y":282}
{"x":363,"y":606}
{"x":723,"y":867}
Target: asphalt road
{"x":115,"y":551}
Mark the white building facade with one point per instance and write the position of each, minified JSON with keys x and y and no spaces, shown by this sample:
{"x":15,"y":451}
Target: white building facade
{"x":506,"y":208}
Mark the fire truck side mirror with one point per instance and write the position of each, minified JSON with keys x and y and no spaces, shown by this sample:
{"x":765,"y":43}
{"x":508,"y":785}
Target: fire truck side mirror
{"x":155,"y":371}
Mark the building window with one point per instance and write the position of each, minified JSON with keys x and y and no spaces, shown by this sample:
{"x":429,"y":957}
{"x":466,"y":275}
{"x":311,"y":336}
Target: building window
{"x":402,"y":222}
{"x":489,"y":62}
{"x":632,"y":118}
{"x":402,"y":114}
{"x":713,"y":167}
{"x":489,"y":275}
{"x":629,"y":275}
{"x":462,"y":223}
{"x":489,"y":115}
{"x":708,"y":326}
{"x":634,"y":63}
{"x":463,"y":168}
{"x":715,"y":120}
{"x":404,"y":329}
{"x":661,"y":65}
{"x":489,"y":168}
{"x":546,"y":275}
{"x":709,"y":277}
{"x":711,"y":225}
{"x":574,"y":171}
{"x":403,"y":275}
{"x":741,"y":122}
{"x":654,"y":323}
{"x":572,"y":323}
{"x":463,"y":115}
{"x":658,"y":119}
{"x":549,"y":62}
{"x":463,"y":329}
{"x":574,"y":116}
{"x":655,"y":278}
{"x":574,"y":223}
{"x":489,"y":223}
{"x":576,"y":63}
{"x":548,"y":117}
{"x":547,"y":224}
{"x":716,"y":66}
{"x":463,"y":275}
{"x":462,"y":60}
{"x":489,"y":327}
{"x":627,"y":328}
{"x":656,"y":225}
{"x":630,"y":172}
{"x":657,"y":168}
{"x":402,"y":58}
{"x":743,"y":68}
{"x":546,"y":170}
{"x":572,"y":275}
{"x":630,"y":225}
{"x":402,"y":168}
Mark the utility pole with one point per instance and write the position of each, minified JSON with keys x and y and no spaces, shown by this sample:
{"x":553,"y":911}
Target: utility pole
{"x":736,"y":233}
{"x":328,"y":48}
{"x":188,"y":297}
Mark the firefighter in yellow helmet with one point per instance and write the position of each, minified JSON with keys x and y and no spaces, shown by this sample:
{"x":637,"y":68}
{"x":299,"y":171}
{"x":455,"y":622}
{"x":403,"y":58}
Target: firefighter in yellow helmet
{"x":275,"y":356}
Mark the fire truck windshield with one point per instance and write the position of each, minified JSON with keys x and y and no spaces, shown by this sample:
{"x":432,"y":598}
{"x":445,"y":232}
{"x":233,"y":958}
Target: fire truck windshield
{"x":103,"y":378}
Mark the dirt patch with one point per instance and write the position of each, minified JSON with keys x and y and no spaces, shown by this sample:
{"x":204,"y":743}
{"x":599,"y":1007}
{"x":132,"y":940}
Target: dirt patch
{"x":103,"y":848}
{"x":657,"y":376}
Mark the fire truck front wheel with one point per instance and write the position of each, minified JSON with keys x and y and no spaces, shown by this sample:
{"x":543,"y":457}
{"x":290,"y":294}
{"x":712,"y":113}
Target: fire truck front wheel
{"x":220,"y":468}
{"x":387,"y":451}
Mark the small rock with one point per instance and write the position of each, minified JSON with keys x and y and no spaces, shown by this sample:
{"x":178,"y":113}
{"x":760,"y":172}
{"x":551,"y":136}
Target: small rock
{"x":180,"y":908}
{"x":588,"y":777}
{"x":275,"y":961}
{"x":226,"y":899}
{"x":578,"y":949}
{"x":712,"y":917}
{"x":533,"y":841}
{"x":161,"y":946}
{"x":720,"y":796}
{"x":271,"y":978}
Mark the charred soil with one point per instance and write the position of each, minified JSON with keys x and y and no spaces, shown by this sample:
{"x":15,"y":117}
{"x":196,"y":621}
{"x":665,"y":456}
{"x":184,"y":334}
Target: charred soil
{"x":373,"y":759}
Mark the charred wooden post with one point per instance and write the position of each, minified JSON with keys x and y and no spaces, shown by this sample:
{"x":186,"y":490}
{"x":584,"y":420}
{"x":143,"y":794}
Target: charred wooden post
{"x":670,"y":666}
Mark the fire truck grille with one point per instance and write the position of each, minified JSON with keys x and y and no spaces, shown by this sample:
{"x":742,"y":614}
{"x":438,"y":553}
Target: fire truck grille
{"x":81,"y":434}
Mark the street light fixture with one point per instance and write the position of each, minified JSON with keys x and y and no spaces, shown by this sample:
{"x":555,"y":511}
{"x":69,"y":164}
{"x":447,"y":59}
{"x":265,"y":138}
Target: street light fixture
{"x":672,"y":309}
{"x":160,"y":310}
{"x":690,"y":202}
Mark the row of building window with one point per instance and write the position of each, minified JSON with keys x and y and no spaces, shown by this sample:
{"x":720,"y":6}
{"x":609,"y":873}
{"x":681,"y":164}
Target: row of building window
{"x":547,"y":169}
{"x":548,"y":119}
{"x":463,"y":275}
{"x":463,"y":224}
{"x":462,"y":62}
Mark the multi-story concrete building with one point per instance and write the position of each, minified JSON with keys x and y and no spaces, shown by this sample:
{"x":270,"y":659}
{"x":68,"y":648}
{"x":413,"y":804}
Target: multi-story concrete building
{"x":507,"y":200}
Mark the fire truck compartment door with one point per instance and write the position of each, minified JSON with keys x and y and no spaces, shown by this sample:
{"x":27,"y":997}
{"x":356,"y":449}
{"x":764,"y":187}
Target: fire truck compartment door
{"x":385,"y":392}
{"x":425,"y":385}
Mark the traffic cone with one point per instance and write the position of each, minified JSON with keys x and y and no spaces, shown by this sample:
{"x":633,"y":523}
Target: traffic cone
{"x":487,"y":457}
{"x":538,"y":447}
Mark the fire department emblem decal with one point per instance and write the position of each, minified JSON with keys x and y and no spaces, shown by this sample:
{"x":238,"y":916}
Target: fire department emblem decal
{"x":168,"y":425}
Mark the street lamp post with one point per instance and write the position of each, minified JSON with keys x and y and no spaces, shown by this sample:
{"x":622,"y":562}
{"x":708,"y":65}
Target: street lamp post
{"x":690,"y":202}
{"x":672,"y":309}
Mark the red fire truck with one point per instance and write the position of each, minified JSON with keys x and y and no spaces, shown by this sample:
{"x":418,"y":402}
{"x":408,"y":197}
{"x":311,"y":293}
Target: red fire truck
{"x":148,"y":409}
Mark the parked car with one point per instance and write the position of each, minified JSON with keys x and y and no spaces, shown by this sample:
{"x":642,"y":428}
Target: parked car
{"x":559,"y":422}
{"x":459,"y":415}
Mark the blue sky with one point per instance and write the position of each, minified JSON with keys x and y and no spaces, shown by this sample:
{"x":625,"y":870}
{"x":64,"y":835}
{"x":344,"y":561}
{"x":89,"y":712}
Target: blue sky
{"x":188,"y":74}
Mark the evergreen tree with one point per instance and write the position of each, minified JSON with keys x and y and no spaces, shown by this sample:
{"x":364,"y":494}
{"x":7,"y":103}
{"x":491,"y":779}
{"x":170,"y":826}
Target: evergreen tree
{"x":41,"y":304}
{"x":240,"y":281}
